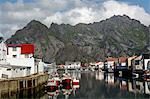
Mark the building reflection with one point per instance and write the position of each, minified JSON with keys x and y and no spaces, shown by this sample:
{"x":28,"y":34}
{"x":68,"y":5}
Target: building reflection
{"x":131,"y":85}
{"x":138,"y":86}
{"x":109,"y":78}
{"x":99,"y":75}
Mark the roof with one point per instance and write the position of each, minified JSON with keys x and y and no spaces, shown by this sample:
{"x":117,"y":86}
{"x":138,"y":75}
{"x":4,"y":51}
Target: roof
{"x":132,"y":57}
{"x":25,"y":48}
{"x":12,"y":66}
{"x":14,"y":45}
{"x":111,"y":59}
{"x":122,"y":59}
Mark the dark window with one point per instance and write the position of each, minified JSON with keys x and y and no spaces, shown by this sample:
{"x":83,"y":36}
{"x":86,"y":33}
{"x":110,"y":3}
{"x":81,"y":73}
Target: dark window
{"x":8,"y":69}
{"x":14,"y":56}
{"x":137,"y":62}
{"x":146,"y":56}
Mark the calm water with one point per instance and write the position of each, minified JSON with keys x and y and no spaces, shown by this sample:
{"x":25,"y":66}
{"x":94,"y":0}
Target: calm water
{"x":95,"y":85}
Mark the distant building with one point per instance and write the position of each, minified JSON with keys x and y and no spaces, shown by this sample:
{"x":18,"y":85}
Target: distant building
{"x":110,"y":63}
{"x":40,"y":66}
{"x":72,"y":65}
{"x":122,"y":63}
{"x":129,"y":61}
{"x":97,"y":64}
{"x":141,"y":64}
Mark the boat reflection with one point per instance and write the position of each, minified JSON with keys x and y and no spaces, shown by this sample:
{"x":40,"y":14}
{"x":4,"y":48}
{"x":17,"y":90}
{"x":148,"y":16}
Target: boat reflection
{"x":68,"y":84}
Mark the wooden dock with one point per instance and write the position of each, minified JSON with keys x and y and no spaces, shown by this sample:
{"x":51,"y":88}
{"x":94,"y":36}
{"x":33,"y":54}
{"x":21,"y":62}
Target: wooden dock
{"x":16,"y":84}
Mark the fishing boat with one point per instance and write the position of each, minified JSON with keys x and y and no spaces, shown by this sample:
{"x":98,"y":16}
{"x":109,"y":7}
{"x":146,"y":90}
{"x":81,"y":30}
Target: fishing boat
{"x":75,"y":81}
{"x":66,"y":79}
{"x":51,"y":85}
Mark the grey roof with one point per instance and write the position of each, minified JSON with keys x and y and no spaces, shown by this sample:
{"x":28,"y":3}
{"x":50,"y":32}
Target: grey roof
{"x":12,"y":66}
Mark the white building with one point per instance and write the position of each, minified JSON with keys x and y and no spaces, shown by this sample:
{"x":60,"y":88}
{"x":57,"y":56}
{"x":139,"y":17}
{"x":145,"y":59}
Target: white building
{"x":141,"y":63}
{"x":72,"y":65}
{"x":21,"y":55}
{"x":110,"y":63}
{"x":11,"y":71}
{"x":39,"y":66}
{"x":97,"y":64}
{"x":16,"y":60}
{"x":3,"y":52}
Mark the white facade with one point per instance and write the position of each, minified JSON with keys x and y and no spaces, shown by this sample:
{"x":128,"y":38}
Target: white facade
{"x":13,"y":71}
{"x":16,"y":60}
{"x":98,"y":64}
{"x":3,"y":52}
{"x":14,"y":57}
{"x":146,"y":64}
{"x":40,"y":65}
{"x":110,"y":64}
{"x":72,"y":65}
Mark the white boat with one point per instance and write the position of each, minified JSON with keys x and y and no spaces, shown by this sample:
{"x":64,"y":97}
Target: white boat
{"x":66,"y":79}
{"x":75,"y":81}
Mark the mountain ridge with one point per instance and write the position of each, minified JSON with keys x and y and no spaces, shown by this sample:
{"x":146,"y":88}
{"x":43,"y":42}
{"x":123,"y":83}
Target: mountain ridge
{"x":116,"y":36}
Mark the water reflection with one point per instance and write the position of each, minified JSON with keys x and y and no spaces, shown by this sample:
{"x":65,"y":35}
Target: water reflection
{"x":95,"y":85}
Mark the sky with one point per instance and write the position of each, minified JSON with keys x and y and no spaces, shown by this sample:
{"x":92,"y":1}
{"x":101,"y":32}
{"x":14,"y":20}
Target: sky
{"x":15,"y":14}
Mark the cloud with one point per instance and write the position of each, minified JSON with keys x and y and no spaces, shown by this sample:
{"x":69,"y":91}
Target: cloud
{"x":102,"y":11}
{"x":16,"y":15}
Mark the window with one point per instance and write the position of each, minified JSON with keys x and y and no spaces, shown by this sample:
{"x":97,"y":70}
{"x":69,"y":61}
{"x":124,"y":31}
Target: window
{"x":137,"y":62}
{"x":26,"y":55}
{"x":14,"y":49}
{"x":14,"y":56}
{"x":8,"y":69}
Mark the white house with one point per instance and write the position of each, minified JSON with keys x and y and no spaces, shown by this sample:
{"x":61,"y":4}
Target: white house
{"x":21,"y":55}
{"x":141,"y":63}
{"x":72,"y":65}
{"x":97,"y":64}
{"x":110,"y":63}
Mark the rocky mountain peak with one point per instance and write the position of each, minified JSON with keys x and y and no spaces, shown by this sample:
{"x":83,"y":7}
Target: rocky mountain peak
{"x":116,"y":36}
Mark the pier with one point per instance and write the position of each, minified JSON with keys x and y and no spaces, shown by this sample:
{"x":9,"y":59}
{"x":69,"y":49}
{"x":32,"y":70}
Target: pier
{"x":9,"y":86}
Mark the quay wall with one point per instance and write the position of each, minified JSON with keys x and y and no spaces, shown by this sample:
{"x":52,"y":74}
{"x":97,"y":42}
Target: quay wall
{"x":16,"y":84}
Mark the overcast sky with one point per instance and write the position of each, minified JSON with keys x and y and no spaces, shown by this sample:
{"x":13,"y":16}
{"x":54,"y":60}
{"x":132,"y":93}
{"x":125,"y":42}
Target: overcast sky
{"x":15,"y":14}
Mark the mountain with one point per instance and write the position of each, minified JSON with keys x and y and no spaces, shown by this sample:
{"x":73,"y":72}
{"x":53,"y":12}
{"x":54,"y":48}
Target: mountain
{"x":47,"y":46}
{"x":116,"y":36}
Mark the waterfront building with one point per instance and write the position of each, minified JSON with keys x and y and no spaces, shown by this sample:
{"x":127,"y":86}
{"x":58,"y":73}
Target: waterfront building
{"x":40,"y":66}
{"x":21,"y":55}
{"x":12,"y":71}
{"x":72,"y":65}
{"x":110,"y":64}
{"x":17,"y":60}
{"x":141,"y":64}
{"x":129,"y":62}
{"x":97,"y":64}
{"x":122,"y":63}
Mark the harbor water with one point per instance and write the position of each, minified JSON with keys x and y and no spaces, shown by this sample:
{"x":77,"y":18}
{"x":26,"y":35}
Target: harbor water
{"x":92,"y":85}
